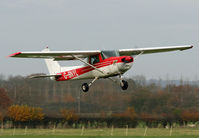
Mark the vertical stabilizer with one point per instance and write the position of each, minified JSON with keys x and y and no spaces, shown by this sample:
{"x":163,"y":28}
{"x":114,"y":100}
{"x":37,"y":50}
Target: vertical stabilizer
{"x":53,"y":66}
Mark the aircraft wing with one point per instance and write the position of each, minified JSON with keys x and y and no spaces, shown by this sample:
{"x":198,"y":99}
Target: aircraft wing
{"x":56,"y":55}
{"x":73,"y":55}
{"x":137,"y":51}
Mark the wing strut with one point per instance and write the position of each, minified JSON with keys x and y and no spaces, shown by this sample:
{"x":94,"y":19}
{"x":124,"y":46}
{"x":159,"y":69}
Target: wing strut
{"x":92,"y":67}
{"x":87,"y":64}
{"x":138,"y":54}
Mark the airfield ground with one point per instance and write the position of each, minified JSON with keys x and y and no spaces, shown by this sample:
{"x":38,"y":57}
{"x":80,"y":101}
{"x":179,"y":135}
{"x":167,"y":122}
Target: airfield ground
{"x":100,"y":136}
{"x":101,"y":132}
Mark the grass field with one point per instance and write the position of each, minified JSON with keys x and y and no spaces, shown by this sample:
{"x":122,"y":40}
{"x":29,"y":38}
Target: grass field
{"x":101,"y":132}
{"x":50,"y":136}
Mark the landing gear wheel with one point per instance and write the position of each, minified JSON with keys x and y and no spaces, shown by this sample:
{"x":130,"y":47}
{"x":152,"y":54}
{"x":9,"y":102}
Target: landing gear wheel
{"x":124,"y":84}
{"x":85,"y":87}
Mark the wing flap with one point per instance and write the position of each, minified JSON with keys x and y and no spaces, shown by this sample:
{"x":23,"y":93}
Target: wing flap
{"x":137,"y":51}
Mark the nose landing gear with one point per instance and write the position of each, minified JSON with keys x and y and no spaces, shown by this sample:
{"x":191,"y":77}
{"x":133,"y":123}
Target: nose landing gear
{"x":123,"y":83}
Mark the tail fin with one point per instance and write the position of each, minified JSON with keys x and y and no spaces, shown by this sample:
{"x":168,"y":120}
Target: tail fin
{"x":53,"y":66}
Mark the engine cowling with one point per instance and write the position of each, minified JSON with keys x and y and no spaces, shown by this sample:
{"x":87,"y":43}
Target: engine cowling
{"x":127,"y":59}
{"x":126,"y":63}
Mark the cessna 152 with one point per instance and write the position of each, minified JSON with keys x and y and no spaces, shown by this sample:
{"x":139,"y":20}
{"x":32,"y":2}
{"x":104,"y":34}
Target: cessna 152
{"x":99,"y":64}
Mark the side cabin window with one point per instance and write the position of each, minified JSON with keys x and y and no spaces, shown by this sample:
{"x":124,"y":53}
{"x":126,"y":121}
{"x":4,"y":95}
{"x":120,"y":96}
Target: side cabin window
{"x":94,"y":59}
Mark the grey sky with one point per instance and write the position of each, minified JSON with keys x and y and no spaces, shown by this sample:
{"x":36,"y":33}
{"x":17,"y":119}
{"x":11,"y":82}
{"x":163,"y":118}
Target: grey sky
{"x":31,"y":25}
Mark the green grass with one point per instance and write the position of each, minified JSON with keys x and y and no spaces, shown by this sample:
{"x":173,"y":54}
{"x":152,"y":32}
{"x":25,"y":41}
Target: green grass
{"x":50,"y":136}
{"x":101,"y":132}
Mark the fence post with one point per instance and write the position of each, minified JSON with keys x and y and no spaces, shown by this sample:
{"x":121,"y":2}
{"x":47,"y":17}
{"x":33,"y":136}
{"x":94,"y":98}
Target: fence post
{"x":25,"y":132}
{"x":82,"y":133}
{"x":171,"y":129}
{"x":127,"y":130}
{"x":145,"y":131}
{"x":13,"y":131}
{"x":112,"y":131}
{"x":54,"y":130}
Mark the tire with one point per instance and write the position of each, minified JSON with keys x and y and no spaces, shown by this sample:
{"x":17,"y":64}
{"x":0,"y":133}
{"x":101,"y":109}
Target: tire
{"x":85,"y":87}
{"x":124,"y":85}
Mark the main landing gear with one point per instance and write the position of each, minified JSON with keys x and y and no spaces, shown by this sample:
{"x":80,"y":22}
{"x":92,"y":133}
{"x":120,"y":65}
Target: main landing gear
{"x":85,"y":86}
{"x":123,"y":84}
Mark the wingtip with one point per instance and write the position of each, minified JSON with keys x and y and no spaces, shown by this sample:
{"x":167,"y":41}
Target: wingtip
{"x":14,"y":54}
{"x":187,"y":47}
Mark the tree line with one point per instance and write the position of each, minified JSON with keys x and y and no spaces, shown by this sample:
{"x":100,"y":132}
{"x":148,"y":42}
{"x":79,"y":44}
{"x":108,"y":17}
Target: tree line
{"x":26,"y":101}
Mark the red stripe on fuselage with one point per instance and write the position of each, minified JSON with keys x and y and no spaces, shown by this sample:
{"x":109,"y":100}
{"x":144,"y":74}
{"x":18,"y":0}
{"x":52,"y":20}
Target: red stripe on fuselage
{"x":68,"y":75}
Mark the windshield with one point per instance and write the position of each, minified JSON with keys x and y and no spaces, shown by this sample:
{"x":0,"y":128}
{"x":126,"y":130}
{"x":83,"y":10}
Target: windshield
{"x":110,"y":53}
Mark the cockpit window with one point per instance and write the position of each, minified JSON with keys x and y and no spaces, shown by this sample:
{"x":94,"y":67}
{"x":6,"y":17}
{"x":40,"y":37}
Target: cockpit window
{"x":94,"y":59}
{"x":110,"y":53}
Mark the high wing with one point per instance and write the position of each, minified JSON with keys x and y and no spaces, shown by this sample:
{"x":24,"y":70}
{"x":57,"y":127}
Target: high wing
{"x":74,"y":55}
{"x":137,"y":51}
{"x":56,"y":55}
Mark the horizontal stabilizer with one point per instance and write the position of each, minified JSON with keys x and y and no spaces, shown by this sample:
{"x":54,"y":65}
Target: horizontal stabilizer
{"x":43,"y":76}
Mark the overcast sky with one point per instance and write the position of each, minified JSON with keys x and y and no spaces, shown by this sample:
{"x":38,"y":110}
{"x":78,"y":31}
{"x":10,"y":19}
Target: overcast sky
{"x":31,"y":25}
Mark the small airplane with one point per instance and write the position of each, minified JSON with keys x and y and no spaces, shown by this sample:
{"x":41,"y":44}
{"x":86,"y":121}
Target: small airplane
{"x":97,"y":64}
